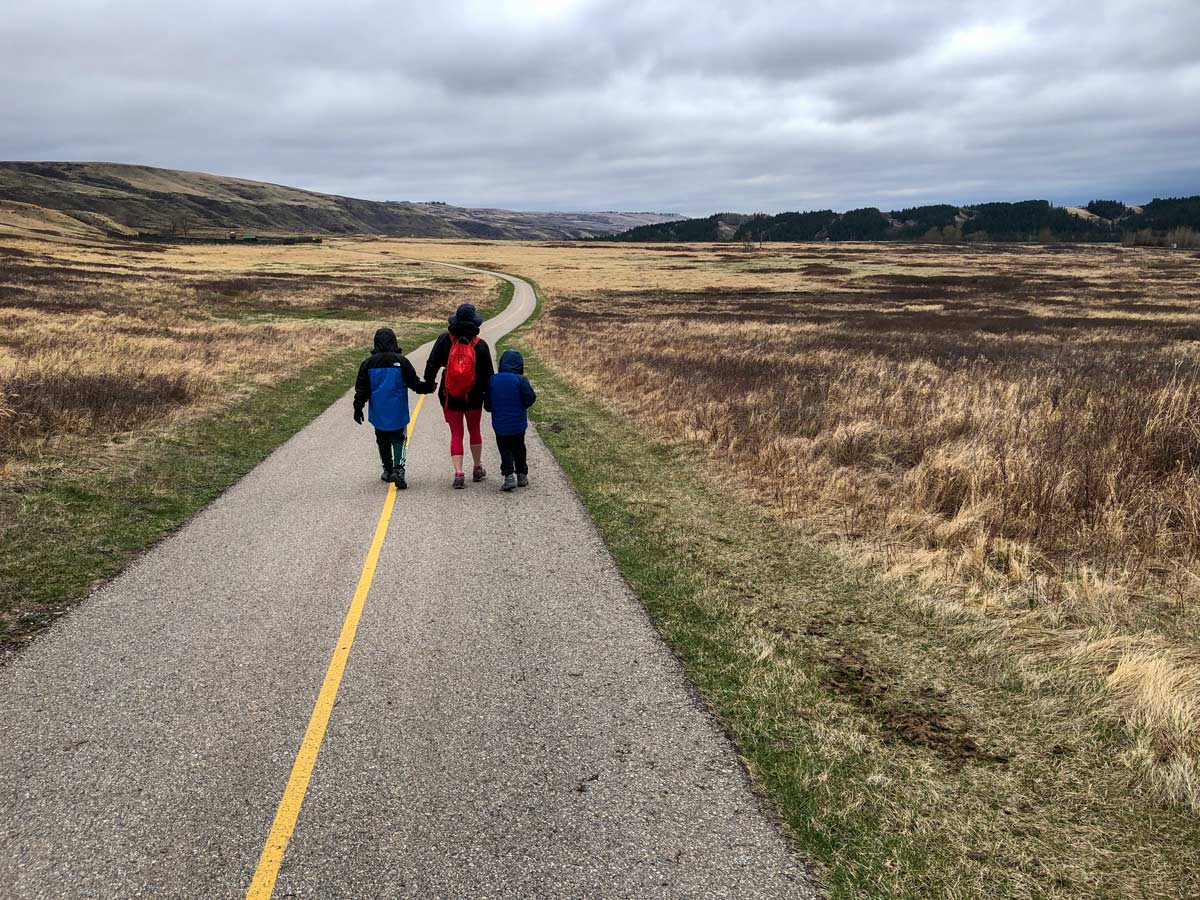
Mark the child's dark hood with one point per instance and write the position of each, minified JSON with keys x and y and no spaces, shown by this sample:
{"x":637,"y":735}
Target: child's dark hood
{"x":512,"y":361}
{"x":385,"y":341}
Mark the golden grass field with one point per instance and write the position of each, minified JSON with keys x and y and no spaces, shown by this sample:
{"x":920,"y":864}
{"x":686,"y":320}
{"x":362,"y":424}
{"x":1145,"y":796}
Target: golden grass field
{"x":1011,"y":430}
{"x":103,"y":343}
{"x":1007,"y":437}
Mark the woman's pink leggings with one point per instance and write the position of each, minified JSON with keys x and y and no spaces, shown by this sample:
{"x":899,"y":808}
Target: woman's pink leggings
{"x":454,"y":418}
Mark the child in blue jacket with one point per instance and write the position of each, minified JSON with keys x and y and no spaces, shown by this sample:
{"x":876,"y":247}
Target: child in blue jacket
{"x":508,"y":395}
{"x":384,"y":380}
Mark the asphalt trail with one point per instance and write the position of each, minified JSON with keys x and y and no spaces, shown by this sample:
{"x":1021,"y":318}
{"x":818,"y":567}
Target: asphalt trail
{"x":508,"y":724}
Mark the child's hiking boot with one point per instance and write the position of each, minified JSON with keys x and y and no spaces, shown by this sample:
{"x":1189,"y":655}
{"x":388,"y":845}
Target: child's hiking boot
{"x":522,"y":481}
{"x":479,"y":473}
{"x":460,"y":480}
{"x":386,"y":475}
{"x":398,"y":478}
{"x":510,"y":483}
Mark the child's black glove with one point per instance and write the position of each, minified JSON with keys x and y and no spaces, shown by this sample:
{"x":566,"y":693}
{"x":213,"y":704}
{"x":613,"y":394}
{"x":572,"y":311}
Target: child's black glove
{"x":358,"y":416}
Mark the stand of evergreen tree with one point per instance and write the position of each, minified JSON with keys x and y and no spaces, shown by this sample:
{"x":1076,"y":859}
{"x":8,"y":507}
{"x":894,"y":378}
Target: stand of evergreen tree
{"x":792,"y":226}
{"x":1032,"y":220}
{"x":1161,"y":221}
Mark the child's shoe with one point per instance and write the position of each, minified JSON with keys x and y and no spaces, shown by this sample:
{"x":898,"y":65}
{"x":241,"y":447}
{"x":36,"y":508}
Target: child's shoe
{"x":510,"y":483}
{"x":386,"y":475}
{"x":522,"y":481}
{"x":398,"y":478}
{"x":479,"y":473}
{"x":460,"y":481}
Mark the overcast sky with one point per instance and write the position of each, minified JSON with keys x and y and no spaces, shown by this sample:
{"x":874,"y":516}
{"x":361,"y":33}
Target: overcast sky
{"x":686,"y":106}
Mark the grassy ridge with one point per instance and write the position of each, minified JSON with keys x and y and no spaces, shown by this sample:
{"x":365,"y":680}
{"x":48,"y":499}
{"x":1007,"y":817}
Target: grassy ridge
{"x":118,"y":197}
{"x":908,"y":759}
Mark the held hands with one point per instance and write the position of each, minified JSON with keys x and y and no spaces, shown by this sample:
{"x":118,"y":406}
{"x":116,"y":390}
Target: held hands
{"x":358,"y":416}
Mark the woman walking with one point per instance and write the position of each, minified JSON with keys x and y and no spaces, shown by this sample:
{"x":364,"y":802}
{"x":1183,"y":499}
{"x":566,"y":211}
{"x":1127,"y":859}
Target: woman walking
{"x":467,"y":360}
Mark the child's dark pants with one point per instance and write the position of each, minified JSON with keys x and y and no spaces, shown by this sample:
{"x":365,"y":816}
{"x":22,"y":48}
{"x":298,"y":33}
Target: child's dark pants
{"x":512,"y":453}
{"x":392,"y":448}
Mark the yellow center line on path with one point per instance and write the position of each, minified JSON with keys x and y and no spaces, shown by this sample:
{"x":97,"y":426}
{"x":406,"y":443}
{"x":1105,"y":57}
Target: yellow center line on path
{"x":263,"y":884}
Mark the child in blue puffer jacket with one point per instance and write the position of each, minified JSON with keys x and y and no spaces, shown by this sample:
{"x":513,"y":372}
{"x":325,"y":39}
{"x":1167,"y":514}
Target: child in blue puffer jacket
{"x":508,"y":395}
{"x":384,"y":380}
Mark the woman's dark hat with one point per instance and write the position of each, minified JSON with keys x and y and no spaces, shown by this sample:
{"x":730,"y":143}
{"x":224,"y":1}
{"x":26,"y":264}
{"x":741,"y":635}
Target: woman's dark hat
{"x":466,"y":313}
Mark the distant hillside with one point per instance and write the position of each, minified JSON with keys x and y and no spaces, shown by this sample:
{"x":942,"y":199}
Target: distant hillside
{"x":164,"y":200}
{"x":1161,"y":221}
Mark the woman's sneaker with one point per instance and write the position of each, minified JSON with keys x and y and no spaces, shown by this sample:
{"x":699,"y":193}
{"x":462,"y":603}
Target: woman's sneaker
{"x":479,"y":473}
{"x":398,"y":478}
{"x":460,"y":481}
{"x":522,"y":481}
{"x":510,"y":483}
{"x":387,"y":474}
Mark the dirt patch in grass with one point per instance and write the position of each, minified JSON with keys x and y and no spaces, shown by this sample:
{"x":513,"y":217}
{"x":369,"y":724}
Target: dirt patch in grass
{"x":62,"y":276}
{"x":916,"y":721}
{"x":13,"y":294}
{"x":82,"y":298}
{"x":40,"y":404}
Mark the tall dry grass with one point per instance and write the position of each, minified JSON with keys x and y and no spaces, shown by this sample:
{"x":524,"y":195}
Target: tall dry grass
{"x":102,"y":343}
{"x":1018,"y":430}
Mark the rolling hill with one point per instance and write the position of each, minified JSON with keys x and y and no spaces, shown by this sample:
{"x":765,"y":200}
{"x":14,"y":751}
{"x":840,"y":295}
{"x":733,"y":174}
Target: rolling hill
{"x":143,"y":198}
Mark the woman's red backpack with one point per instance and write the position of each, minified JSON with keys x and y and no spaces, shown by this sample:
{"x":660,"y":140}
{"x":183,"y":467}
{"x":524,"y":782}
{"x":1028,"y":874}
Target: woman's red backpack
{"x":460,"y":368}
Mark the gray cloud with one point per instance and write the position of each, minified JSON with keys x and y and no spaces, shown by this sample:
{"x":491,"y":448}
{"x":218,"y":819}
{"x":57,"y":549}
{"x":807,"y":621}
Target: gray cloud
{"x":673,"y":105}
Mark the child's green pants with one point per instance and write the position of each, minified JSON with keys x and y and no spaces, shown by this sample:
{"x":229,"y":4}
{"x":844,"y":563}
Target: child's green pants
{"x":393,"y":449}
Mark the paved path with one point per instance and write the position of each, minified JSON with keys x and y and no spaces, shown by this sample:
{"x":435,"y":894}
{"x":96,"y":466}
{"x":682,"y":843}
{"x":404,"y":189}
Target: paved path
{"x":510,"y":728}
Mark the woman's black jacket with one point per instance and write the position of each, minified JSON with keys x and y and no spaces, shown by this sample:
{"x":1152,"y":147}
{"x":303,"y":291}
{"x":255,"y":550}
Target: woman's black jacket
{"x":440,"y":355}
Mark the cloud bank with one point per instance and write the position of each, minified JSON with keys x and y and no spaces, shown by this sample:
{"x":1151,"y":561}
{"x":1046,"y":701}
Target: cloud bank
{"x":691,"y":107}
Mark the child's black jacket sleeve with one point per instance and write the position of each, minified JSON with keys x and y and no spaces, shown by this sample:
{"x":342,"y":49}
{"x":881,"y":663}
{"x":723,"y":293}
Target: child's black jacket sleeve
{"x":362,"y":387}
{"x":412,"y":380}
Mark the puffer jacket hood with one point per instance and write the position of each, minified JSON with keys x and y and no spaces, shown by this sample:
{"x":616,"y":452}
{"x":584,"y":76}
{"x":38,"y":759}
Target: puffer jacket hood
{"x":512,"y":361}
{"x":385,"y":341}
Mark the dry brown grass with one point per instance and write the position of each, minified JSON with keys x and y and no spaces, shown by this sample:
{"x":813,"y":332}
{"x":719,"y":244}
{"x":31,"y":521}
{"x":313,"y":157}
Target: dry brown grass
{"x":102,"y":342}
{"x":1011,"y":429}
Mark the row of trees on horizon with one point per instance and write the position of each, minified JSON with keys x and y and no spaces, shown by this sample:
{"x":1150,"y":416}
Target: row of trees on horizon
{"x":1169,"y":221}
